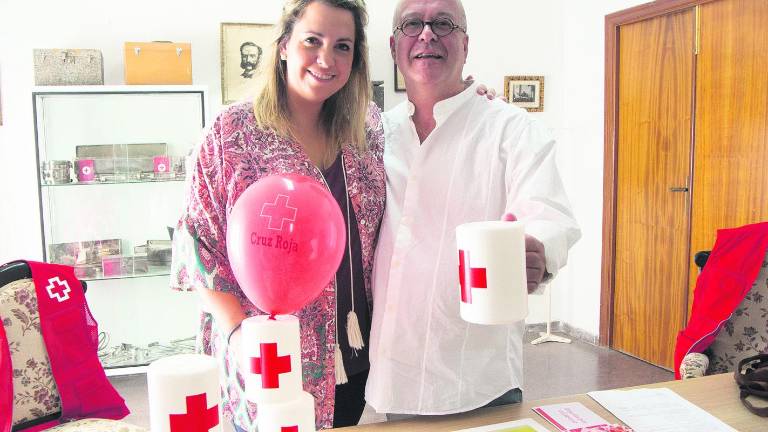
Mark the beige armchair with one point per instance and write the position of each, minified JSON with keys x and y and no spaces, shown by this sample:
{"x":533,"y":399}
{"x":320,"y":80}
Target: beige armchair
{"x":744,"y":334}
{"x":35,"y":396}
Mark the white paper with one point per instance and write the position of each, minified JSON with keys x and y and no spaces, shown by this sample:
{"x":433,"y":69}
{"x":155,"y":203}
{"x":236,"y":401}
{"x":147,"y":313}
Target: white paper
{"x":524,"y":425}
{"x":496,"y":249}
{"x":658,"y":410}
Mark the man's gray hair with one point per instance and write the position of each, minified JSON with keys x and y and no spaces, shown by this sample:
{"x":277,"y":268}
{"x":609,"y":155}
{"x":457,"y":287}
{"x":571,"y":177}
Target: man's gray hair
{"x":396,"y":20}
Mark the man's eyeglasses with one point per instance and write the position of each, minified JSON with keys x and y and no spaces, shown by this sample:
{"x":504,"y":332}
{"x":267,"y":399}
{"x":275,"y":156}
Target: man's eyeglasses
{"x":413,"y":27}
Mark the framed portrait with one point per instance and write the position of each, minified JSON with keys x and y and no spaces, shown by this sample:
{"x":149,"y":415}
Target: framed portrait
{"x":525,"y":91}
{"x":244,"y":47}
{"x":399,"y":80}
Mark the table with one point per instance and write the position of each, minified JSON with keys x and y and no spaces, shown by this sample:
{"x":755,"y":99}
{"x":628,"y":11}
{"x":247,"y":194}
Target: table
{"x":717,"y":394}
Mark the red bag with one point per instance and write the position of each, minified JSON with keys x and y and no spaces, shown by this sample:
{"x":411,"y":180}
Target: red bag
{"x":71,"y":337}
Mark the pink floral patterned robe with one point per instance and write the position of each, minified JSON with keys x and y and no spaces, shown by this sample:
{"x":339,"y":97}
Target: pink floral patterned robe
{"x":235,"y":154}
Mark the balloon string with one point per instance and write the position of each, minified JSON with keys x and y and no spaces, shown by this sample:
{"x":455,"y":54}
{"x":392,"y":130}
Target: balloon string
{"x":272,"y":317}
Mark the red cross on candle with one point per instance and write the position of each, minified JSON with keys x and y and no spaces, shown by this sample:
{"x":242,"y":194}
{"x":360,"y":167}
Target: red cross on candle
{"x":278,"y":212}
{"x":270,"y":365}
{"x":199,"y":418}
{"x":470,"y":277}
{"x":289,"y":429}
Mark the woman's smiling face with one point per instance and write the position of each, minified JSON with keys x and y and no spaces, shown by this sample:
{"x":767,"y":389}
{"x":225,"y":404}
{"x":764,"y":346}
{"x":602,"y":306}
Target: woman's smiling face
{"x":319,"y":52}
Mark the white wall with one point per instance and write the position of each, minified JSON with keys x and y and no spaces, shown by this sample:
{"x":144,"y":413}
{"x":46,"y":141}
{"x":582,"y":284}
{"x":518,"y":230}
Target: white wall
{"x":561,"y":40}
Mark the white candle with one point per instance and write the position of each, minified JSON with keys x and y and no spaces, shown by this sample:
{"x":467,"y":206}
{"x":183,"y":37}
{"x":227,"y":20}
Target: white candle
{"x":492,"y":278}
{"x":184,"y":394}
{"x":272,"y":358}
{"x":297,"y":415}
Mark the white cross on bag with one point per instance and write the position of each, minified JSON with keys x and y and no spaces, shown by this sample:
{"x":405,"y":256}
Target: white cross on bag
{"x":58,"y":289}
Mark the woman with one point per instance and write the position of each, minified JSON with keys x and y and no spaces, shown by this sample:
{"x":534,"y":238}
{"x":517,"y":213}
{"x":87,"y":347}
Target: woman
{"x":312,"y":117}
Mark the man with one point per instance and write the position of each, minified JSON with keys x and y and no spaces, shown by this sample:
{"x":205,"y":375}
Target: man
{"x":452,"y":157}
{"x":250,"y":54}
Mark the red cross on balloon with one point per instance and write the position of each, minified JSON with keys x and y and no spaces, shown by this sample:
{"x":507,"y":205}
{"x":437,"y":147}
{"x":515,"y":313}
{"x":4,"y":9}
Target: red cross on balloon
{"x":278,"y":212}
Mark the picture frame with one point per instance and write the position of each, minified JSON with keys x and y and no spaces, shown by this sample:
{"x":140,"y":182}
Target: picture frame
{"x":399,"y":80}
{"x":244,"y":48}
{"x":525,"y":91}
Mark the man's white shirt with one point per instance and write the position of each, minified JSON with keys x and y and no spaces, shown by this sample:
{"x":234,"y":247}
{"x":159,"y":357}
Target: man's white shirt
{"x":483,"y":159}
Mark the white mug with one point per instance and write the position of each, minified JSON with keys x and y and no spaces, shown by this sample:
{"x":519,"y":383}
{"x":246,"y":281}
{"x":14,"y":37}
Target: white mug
{"x":492,"y":278}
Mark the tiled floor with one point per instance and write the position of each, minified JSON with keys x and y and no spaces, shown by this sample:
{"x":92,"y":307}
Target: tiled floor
{"x":555,"y":369}
{"x":551,"y":369}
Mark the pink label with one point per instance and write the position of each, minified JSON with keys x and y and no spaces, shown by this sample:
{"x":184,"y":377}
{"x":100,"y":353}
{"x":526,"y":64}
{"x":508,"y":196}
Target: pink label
{"x":162,"y":164}
{"x":111,"y":266}
{"x":85,"y":170}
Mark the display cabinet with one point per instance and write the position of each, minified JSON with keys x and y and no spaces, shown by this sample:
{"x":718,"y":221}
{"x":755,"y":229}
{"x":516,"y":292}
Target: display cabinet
{"x":112,"y":163}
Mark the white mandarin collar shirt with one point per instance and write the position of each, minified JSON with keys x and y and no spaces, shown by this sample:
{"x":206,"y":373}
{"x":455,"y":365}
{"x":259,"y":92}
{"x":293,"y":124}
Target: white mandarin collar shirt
{"x":483,"y":158}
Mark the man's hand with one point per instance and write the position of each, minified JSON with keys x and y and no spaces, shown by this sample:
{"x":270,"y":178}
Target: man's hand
{"x":482,"y":89}
{"x":535,"y":260}
{"x":490,"y":93}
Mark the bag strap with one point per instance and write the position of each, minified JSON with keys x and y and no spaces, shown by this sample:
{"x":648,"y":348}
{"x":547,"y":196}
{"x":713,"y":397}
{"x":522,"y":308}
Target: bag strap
{"x":752,"y":377}
{"x":6,"y":383}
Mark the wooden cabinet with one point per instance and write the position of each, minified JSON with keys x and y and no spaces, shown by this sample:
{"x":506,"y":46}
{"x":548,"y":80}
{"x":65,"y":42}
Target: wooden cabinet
{"x":686,"y":145}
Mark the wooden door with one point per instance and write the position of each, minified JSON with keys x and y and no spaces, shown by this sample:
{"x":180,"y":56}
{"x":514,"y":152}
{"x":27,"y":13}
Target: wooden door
{"x":730,"y":185}
{"x":655,"y":87}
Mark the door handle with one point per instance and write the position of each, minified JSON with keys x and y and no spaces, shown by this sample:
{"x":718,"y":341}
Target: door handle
{"x":678,"y":189}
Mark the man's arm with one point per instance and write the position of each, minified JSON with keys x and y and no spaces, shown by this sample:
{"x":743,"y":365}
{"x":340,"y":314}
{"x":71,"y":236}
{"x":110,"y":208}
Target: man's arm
{"x":536,"y":196}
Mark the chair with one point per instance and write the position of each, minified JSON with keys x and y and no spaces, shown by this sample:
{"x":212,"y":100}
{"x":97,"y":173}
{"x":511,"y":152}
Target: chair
{"x":744,"y":334}
{"x":36,"y":399}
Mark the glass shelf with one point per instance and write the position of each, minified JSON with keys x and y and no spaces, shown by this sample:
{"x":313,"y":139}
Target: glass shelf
{"x":126,"y":136}
{"x":97,"y":183}
{"x":128,"y":355}
{"x":132,"y":276}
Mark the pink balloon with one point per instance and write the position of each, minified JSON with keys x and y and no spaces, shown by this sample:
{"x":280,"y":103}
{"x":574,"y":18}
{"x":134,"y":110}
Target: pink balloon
{"x":285,"y":239}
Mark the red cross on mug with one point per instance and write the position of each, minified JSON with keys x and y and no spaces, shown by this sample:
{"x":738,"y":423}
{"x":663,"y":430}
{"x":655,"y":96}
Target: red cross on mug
{"x":289,"y":429}
{"x":199,"y":418}
{"x":278,"y":212}
{"x":470,"y":277}
{"x":270,"y":366}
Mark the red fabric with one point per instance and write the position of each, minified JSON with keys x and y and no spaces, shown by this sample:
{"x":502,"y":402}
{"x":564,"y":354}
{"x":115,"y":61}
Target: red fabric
{"x":70,"y":334}
{"x":731,"y":269}
{"x":6,"y":383}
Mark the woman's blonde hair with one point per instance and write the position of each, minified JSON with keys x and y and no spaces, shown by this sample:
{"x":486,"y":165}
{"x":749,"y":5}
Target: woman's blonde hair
{"x":343,"y":115}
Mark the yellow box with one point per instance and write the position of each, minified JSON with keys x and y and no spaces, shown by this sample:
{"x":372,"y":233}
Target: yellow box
{"x":158,"y":63}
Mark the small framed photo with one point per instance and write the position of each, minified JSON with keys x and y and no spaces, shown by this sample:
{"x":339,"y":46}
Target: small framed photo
{"x":525,"y":91}
{"x":244,"y":47}
{"x":399,"y":80}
